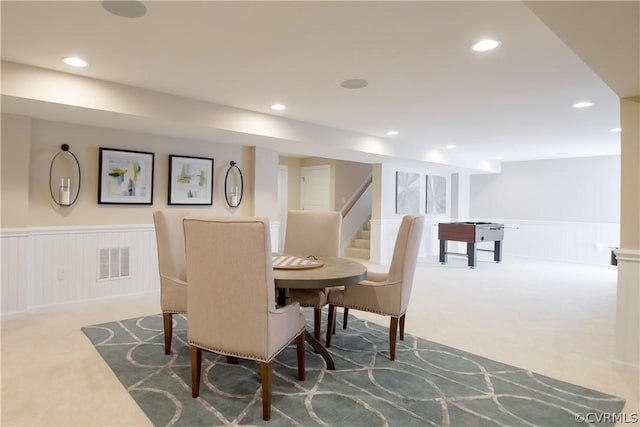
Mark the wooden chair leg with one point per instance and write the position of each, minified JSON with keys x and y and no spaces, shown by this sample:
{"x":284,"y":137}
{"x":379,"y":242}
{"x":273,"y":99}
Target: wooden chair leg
{"x":345,"y":316}
{"x":196,"y":362}
{"x":167,"y":319}
{"x":317,"y":320}
{"x":333,"y":326}
{"x":402,"y":327}
{"x":300,"y":350}
{"x":331,"y":320}
{"x":265,"y":379}
{"x":393,"y":331}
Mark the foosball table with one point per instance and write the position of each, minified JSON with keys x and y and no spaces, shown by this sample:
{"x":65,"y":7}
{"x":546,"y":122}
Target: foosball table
{"x":472,"y":233}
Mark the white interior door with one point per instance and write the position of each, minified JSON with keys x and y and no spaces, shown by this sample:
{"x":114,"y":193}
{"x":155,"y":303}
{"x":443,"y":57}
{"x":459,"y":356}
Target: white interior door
{"x":315,"y":188}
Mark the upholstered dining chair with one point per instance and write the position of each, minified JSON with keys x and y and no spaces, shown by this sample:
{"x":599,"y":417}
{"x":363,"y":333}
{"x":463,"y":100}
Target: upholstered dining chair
{"x":231,"y":305}
{"x":384,"y":293}
{"x":172,"y":267}
{"x":317,"y":234}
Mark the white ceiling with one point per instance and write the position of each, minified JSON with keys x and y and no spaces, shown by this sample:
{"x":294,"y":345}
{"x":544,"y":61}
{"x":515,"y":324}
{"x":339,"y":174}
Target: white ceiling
{"x":424,"y":80}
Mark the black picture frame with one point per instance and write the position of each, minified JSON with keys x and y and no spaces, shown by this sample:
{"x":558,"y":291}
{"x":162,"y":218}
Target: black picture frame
{"x":125,"y":177}
{"x":190,"y":180}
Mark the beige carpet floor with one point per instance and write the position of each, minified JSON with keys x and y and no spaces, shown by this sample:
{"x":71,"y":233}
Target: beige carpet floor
{"x":552,"y":318}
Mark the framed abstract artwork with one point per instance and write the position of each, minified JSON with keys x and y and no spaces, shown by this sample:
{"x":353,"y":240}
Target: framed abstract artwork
{"x":407,"y":193}
{"x":126,"y":177}
{"x":190,"y":180}
{"x":436,"y":194}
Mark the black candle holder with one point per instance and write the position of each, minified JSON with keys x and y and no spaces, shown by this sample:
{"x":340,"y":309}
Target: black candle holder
{"x":233,"y":197}
{"x":64,"y":192}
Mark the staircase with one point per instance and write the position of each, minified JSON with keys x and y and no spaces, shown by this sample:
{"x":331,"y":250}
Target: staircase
{"x":360,"y":246}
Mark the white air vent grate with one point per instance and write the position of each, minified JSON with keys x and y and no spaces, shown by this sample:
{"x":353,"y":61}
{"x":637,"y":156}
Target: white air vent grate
{"x":113,"y":263}
{"x":124,"y":262}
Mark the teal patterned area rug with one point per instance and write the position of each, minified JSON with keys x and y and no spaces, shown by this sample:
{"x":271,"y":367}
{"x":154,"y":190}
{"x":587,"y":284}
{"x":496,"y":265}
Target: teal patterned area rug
{"x":428,"y":385}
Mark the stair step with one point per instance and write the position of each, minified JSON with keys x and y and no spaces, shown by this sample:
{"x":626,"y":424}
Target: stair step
{"x":357,"y":253}
{"x":364,"y":234}
{"x":361,"y":243}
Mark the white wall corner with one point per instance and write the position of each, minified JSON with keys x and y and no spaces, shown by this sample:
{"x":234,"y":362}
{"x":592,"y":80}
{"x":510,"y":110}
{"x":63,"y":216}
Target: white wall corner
{"x":627,"y":332}
{"x":274,"y":229}
{"x":385,"y":232}
{"x":383,"y":239}
{"x":374,"y":249}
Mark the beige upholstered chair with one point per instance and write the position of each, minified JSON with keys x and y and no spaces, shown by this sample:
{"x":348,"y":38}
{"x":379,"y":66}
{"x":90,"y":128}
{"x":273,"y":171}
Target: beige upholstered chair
{"x":384,"y":293}
{"x":231,"y":304}
{"x":317,"y":234}
{"x":172,"y":267}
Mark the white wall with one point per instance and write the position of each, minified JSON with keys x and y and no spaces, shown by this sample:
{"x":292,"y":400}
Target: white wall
{"x":577,"y":190}
{"x":386,"y":222}
{"x":563,"y":210}
{"x":265,"y":171}
{"x":460,"y":195}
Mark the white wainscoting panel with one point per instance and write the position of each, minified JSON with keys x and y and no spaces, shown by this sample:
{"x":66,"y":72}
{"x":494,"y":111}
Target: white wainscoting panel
{"x":62,"y":265}
{"x":50,"y":266}
{"x":14,"y":270}
{"x":576,"y":242}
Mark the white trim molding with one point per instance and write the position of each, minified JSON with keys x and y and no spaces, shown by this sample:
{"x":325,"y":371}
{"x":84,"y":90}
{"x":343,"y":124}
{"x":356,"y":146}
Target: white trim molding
{"x":627,"y":334}
{"x":77,"y":229}
{"x":630,"y":255}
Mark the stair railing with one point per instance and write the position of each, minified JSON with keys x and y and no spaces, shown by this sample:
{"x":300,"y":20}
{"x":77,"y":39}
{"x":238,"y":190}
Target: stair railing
{"x":356,"y":196}
{"x":356,"y":212}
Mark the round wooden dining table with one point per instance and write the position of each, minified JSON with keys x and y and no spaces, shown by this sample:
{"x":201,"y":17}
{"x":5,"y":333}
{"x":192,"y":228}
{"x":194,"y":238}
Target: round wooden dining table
{"x":325,"y":273}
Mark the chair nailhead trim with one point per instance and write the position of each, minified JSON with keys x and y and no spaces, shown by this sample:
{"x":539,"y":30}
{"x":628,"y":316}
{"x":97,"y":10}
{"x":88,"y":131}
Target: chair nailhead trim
{"x":368,"y":310}
{"x":244,"y":356}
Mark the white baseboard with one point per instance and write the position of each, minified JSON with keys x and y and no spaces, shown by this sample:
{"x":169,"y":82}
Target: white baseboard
{"x":626,"y":368}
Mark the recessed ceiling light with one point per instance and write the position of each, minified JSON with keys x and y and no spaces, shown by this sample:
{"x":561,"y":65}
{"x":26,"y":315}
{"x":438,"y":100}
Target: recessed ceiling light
{"x":485,"y":45}
{"x":74,"y":61}
{"x":354,"y":84}
{"x":583,"y":104}
{"x":278,"y":107}
{"x":616,"y":130}
{"x":125,"y":9}
{"x":392,"y":132}
{"x":451,"y":146}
